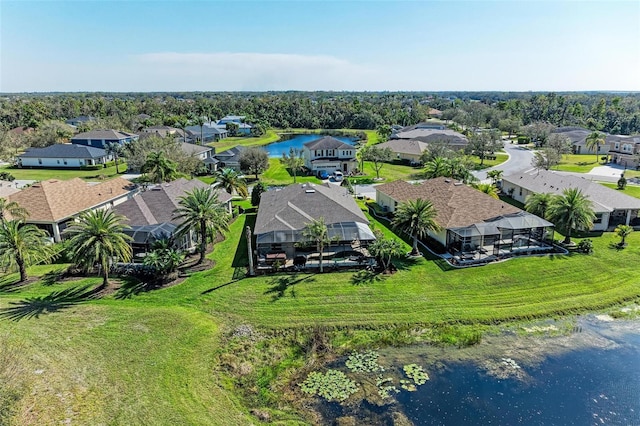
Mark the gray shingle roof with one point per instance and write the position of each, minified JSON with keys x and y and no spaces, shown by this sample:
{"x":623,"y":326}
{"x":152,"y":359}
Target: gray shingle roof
{"x":64,"y":150}
{"x":553,"y":183}
{"x":192,"y":149}
{"x":157,"y":204}
{"x":432,"y":135}
{"x":103,"y":134}
{"x":405,"y":146}
{"x":294,"y":206}
{"x":328,"y":142}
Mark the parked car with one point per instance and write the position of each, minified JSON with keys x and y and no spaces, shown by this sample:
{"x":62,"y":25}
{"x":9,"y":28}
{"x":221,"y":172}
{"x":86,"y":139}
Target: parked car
{"x":322,"y":174}
{"x":338,"y":176}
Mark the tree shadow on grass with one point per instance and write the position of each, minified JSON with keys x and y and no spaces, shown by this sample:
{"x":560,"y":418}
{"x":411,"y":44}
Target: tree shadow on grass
{"x":132,"y":287}
{"x":617,"y":246}
{"x":239,"y":273}
{"x":52,"y":277}
{"x":10,"y":286}
{"x":366,"y":277}
{"x":281,"y":283}
{"x":33,"y":307}
{"x":240,"y":258}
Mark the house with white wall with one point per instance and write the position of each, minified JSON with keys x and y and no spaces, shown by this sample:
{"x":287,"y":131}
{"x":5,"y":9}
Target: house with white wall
{"x":63,"y":155}
{"x":103,"y":138}
{"x":329,"y":154}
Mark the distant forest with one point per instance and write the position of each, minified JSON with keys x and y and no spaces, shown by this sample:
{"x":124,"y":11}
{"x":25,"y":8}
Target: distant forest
{"x":616,"y":113}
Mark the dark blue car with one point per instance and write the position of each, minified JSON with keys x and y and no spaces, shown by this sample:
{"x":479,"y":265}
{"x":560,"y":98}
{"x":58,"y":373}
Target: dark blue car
{"x":323,"y":175}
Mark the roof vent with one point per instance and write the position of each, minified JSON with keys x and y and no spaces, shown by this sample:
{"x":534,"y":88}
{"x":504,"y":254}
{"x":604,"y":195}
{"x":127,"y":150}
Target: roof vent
{"x":457,"y":183}
{"x":310,"y":191}
{"x":448,"y":180}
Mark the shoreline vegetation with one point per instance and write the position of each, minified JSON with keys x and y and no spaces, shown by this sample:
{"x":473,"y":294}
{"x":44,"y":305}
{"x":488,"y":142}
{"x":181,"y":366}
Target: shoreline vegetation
{"x":220,"y":342}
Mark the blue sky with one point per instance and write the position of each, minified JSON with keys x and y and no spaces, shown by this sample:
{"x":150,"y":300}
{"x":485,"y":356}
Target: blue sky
{"x":319,"y":45}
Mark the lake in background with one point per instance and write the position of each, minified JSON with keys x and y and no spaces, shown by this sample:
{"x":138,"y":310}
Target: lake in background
{"x":591,"y":377}
{"x":276,"y":149}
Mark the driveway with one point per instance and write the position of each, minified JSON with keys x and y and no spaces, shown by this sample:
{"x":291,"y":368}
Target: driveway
{"x":519,"y":160}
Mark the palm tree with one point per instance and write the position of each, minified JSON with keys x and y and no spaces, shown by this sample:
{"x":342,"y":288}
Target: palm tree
{"x":385,"y":249}
{"x":293,"y":161}
{"x":538,"y":204}
{"x":22,"y":246}
{"x":98,"y":237}
{"x":594,"y":140}
{"x":159,"y":168}
{"x":116,"y":149}
{"x":12,"y":209}
{"x":437,"y":167}
{"x":495,"y":175}
{"x":569,"y":211}
{"x":231,"y":181}
{"x":416,"y":218}
{"x":316,"y":232}
{"x":623,"y":231}
{"x":201,"y":212}
{"x":487,"y":188}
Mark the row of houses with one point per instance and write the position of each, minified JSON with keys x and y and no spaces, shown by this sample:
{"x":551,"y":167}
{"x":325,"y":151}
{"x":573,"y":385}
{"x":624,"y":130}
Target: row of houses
{"x":623,"y":149}
{"x":53,"y":205}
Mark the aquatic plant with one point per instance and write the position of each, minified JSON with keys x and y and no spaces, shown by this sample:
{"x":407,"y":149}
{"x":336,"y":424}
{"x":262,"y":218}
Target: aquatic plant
{"x":416,"y":373}
{"x":385,"y":390}
{"x":364,"y":362}
{"x":333,"y":385}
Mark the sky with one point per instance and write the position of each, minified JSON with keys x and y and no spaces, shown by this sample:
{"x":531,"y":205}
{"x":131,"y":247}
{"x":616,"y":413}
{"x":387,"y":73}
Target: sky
{"x":359,"y":45}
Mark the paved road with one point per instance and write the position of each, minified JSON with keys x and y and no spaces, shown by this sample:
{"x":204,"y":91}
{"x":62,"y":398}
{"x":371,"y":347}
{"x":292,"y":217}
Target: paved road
{"x":519,"y":160}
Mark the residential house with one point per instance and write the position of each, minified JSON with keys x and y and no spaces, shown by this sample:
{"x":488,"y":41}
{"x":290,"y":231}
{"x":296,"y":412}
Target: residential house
{"x":210,"y":132}
{"x":63,"y":155}
{"x":201,"y":152}
{"x":102,"y":138}
{"x":54,"y":204}
{"x":578,"y":137}
{"x":329,"y":154}
{"x":150,"y":213}
{"x":161,"y":131}
{"x":79,"y":121}
{"x":409,"y":150}
{"x":432,"y":133}
{"x":243,"y":127}
{"x":625,"y":150}
{"x":474,"y":226}
{"x":436,"y":113}
{"x":283,"y":214}
{"x":229,"y":159}
{"x":611,"y":207}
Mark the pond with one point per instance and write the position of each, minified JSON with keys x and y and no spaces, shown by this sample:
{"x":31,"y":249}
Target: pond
{"x":276,"y":149}
{"x":590,"y":377}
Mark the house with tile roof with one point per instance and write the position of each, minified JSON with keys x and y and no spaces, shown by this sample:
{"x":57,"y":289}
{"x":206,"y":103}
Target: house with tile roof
{"x":64,"y":155}
{"x":612,"y":207}
{"x":474,"y":226}
{"x":150,"y":213}
{"x":329,"y":154}
{"x":409,"y":150}
{"x":284,"y":213}
{"x":54,"y":204}
{"x":102,"y":138}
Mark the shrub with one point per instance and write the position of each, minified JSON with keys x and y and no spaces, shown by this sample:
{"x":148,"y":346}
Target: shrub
{"x":7,"y":176}
{"x":585,"y":246}
{"x":523,"y":140}
{"x":622,"y":182}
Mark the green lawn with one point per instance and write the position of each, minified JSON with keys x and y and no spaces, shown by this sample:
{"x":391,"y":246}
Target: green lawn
{"x":61,"y":174}
{"x":581,"y":163}
{"x":501,"y":157}
{"x":222,"y":145}
{"x":150,"y":358}
{"x":631,"y":190}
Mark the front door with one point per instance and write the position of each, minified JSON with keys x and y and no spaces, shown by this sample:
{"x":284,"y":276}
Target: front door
{"x":344,"y":167}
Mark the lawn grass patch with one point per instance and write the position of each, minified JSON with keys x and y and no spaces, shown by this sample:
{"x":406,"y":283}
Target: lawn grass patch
{"x":63,"y":174}
{"x":630,"y":190}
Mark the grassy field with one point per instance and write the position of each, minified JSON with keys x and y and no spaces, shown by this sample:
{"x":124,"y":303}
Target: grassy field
{"x":222,"y":145}
{"x":631,"y":190}
{"x":61,"y":174}
{"x":150,"y":358}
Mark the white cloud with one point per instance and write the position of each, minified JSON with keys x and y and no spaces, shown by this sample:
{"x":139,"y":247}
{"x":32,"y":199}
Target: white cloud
{"x":254,"y":71}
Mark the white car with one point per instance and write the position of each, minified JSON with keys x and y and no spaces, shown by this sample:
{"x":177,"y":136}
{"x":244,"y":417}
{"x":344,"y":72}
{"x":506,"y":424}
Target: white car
{"x":337,"y":176}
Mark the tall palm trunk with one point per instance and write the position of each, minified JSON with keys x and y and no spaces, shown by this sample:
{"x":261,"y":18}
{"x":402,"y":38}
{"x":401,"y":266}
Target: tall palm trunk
{"x":115,"y":158}
{"x":22,"y":268}
{"x":567,"y":238}
{"x":321,"y":250}
{"x":414,"y":251}
{"x":203,"y":241}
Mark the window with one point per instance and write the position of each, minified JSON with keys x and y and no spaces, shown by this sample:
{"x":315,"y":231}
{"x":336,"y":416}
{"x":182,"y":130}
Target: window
{"x":39,"y":160}
{"x":617,"y":145}
{"x":521,"y":191}
{"x":58,"y":161}
{"x":598,"y":218}
{"x":64,"y":161}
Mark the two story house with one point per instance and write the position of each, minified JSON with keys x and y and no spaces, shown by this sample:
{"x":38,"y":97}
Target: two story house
{"x":625,"y":150}
{"x":102,"y":138}
{"x":329,"y":154}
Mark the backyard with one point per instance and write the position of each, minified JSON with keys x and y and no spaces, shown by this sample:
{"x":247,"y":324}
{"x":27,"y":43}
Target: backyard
{"x":135,"y":357}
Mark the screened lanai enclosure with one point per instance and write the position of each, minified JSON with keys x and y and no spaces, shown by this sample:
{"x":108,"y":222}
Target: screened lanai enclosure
{"x":348,"y":244}
{"x":505,"y":236}
{"x":143,"y":237}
